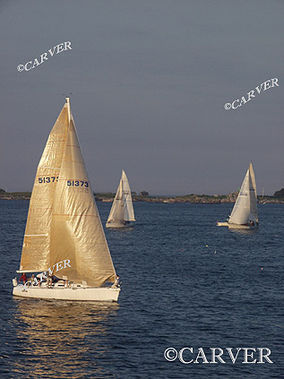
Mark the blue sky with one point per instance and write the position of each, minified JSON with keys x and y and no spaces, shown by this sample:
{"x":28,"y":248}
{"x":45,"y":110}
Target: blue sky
{"x":148,"y":83}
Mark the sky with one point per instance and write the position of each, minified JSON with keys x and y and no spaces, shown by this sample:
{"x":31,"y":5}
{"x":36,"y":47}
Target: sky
{"x":148,"y":81}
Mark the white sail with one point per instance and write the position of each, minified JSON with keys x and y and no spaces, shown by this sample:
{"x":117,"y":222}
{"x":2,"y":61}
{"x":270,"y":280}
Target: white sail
{"x":245,"y":208}
{"x":241,"y":210}
{"x":127,"y":199}
{"x":117,"y":209}
{"x":64,"y":233}
{"x":122,"y":207}
{"x":253,"y":196}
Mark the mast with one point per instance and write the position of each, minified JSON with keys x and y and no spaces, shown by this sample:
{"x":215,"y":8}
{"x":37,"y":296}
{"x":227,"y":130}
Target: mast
{"x":68,"y":110}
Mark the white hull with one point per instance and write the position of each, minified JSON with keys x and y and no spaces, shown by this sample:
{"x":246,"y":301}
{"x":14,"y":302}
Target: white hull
{"x":243,"y":227}
{"x":119,"y":225}
{"x":237,"y":226}
{"x":75,"y":293}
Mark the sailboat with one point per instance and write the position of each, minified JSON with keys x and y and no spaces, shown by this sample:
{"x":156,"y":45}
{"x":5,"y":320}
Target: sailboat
{"x":64,"y":236}
{"x":244,"y":214}
{"x":121,"y":214}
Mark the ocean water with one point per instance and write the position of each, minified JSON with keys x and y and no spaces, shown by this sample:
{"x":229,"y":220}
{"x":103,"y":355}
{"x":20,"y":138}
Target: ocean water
{"x":185,"y":283}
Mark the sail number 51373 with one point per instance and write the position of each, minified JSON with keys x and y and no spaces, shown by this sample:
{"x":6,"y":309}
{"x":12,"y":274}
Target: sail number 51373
{"x":48,"y":179}
{"x":77,"y":183}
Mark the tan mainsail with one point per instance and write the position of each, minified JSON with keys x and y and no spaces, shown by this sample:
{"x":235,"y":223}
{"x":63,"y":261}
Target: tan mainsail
{"x":65,"y":235}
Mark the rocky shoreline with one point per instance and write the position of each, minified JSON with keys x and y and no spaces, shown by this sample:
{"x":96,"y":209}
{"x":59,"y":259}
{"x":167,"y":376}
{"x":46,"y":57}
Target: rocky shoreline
{"x":192,"y":198}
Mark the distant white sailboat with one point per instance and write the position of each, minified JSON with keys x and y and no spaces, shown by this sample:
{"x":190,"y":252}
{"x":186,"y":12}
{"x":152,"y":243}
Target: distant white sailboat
{"x":64,"y":236}
{"x":244,"y":214}
{"x":121,"y":214}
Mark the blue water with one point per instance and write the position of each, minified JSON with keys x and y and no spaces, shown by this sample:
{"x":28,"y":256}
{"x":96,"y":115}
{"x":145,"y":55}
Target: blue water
{"x":185,"y":283}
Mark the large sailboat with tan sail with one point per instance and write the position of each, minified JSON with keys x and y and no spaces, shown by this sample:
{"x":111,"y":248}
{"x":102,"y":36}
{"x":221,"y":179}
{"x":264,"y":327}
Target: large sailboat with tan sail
{"x":64,"y":249}
{"x":244,"y":214}
{"x":122,"y":213}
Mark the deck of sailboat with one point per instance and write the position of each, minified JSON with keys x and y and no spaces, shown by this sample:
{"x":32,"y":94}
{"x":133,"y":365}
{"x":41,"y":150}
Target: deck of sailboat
{"x":73,"y":293}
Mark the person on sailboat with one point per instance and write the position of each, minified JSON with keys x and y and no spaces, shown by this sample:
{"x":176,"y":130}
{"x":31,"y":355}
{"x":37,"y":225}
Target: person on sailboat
{"x":49,"y":280}
{"x":41,"y":277}
{"x":23,"y":278}
{"x":33,"y":280}
{"x":116,"y":283}
{"x":54,"y":278}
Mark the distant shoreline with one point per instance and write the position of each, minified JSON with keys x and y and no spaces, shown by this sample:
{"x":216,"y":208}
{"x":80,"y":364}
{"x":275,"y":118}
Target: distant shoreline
{"x":192,"y":198}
